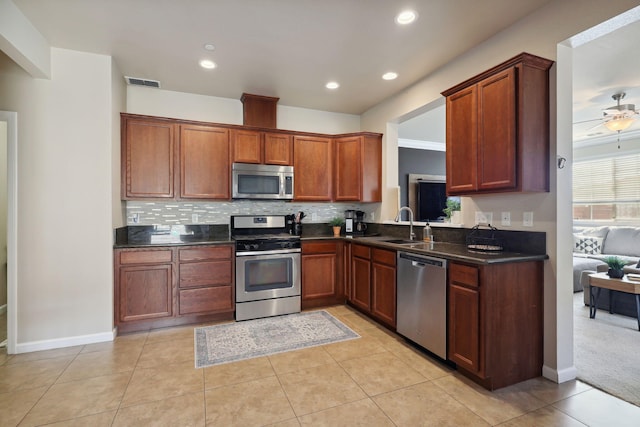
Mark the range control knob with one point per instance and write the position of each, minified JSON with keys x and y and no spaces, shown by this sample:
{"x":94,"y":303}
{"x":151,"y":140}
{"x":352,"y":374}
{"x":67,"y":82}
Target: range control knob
{"x":255,"y":246}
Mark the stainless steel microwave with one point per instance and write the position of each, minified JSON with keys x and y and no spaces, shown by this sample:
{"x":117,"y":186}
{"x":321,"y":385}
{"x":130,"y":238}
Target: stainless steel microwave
{"x":250,"y":181}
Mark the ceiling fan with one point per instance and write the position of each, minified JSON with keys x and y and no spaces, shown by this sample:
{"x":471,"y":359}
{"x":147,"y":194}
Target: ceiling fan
{"x":617,"y":118}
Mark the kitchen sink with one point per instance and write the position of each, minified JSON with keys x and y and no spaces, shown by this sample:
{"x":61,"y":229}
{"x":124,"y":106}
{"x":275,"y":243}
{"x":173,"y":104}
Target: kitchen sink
{"x":400,"y":241}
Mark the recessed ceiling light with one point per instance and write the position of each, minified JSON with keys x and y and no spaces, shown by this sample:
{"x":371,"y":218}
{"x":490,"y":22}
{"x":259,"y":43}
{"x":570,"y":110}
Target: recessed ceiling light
{"x":390,"y":75}
{"x":406,"y":17}
{"x":209,"y":46}
{"x":208,"y":64}
{"x":332,"y":85}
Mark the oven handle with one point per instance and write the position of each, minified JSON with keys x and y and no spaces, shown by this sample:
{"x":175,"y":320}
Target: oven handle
{"x":273,"y":252}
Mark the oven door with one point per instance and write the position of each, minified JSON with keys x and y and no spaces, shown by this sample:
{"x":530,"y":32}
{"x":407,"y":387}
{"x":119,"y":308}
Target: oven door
{"x":260,"y":277}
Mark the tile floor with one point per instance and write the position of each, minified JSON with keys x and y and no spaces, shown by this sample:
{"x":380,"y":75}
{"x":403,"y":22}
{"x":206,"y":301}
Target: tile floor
{"x":378,"y":380}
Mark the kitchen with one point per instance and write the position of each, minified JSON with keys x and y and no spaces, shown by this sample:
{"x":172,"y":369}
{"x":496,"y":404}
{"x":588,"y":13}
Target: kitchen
{"x":143,"y":101}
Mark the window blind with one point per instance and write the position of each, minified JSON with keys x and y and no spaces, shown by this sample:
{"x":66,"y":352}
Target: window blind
{"x":612,"y":180}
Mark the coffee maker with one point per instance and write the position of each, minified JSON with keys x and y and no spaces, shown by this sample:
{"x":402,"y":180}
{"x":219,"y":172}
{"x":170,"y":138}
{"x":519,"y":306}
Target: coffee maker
{"x":349,"y":222}
{"x":359,"y":225}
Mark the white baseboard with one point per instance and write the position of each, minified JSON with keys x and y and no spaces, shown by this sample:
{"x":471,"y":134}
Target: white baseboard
{"x":28,"y":347}
{"x":560,"y":376}
{"x":3,"y":309}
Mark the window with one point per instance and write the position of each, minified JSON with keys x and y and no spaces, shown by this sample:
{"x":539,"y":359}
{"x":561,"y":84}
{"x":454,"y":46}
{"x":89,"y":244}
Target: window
{"x":607,"y":189}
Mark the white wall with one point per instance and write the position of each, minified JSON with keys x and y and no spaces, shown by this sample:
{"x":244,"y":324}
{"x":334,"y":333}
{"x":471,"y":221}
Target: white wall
{"x":179,"y":105}
{"x":538,"y":33}
{"x":3,"y":213}
{"x":65,"y":277}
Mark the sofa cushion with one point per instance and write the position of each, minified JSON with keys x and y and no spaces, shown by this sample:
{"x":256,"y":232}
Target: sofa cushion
{"x":591,"y":231}
{"x":589,"y":245}
{"x":580,"y":264}
{"x":622,"y":241}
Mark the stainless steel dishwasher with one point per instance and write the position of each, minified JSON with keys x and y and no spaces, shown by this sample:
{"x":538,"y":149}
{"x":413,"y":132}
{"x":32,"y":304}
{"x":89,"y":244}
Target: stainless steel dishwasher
{"x":422,"y":301}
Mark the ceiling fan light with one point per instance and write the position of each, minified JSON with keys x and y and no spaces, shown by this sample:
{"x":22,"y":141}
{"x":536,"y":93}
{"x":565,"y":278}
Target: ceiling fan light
{"x":619,"y":124}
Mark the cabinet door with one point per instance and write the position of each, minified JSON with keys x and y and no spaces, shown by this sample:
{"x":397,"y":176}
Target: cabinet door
{"x":278,"y":149}
{"x":319,"y":276}
{"x":204,"y":162}
{"x":461,"y":153}
{"x":148,"y":154}
{"x":464,"y":327}
{"x":312,"y":160}
{"x":145,"y":292}
{"x":348,"y":169}
{"x":497,"y":132}
{"x":246,"y":146}
{"x":383,"y":293}
{"x":361,"y":283}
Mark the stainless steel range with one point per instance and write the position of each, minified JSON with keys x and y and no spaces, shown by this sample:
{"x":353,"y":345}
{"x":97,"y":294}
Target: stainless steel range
{"x":267,"y":266}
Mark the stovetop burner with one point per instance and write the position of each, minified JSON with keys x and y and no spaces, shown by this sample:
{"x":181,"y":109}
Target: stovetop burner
{"x":258,"y":233}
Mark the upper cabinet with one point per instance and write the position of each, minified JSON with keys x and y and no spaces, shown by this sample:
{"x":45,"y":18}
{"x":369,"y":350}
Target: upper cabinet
{"x":148,"y":158}
{"x":498,"y":129}
{"x":250,"y":146}
{"x":162,"y":155}
{"x":312,"y":168}
{"x":358,"y":168}
{"x":204,"y":162}
{"x":170,"y":159}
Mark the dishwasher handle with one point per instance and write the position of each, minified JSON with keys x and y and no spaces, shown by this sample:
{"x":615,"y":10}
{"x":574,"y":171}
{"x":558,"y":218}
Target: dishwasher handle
{"x":422,"y":261}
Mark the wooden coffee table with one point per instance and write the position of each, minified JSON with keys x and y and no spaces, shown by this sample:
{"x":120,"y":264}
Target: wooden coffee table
{"x":601,"y":280}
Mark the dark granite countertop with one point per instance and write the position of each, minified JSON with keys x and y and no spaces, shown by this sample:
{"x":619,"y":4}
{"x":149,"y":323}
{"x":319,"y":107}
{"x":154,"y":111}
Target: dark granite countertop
{"x":175,"y":235}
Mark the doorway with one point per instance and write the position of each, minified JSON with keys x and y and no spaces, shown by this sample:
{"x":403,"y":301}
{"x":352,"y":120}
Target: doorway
{"x":8,"y":222}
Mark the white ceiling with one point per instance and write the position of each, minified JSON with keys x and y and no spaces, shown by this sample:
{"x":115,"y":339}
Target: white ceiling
{"x":283,"y":48}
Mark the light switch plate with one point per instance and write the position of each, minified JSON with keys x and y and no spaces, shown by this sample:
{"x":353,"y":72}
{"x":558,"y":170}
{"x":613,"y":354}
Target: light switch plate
{"x":527,"y":219}
{"x":484,"y":217}
{"x":194,"y":218}
{"x":314,"y":216}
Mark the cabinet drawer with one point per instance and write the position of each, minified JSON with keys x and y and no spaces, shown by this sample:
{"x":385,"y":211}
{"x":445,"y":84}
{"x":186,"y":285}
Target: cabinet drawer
{"x":384,"y":257}
{"x":319,"y":248}
{"x":206,"y":300}
{"x":361,"y":251}
{"x":146,"y":257}
{"x":198,"y":254}
{"x":205,"y":273}
{"x":463,"y":275}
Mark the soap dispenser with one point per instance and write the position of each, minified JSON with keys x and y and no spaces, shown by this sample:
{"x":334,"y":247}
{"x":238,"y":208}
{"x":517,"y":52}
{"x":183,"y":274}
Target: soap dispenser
{"x":427,"y":233}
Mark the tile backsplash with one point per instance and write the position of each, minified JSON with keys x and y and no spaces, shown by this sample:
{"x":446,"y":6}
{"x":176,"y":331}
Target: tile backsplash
{"x":168,"y":213}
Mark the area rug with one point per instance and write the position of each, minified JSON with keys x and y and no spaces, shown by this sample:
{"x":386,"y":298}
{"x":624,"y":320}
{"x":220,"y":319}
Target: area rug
{"x":606,"y":351}
{"x":231,"y":342}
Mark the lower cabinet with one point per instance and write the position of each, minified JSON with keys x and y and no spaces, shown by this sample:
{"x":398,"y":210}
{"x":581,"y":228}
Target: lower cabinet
{"x":322,"y":273}
{"x":169,"y":286}
{"x":373,"y":282}
{"x":495,"y":321}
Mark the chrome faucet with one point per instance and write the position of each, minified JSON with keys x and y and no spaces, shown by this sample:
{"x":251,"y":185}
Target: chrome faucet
{"x":412,"y":235}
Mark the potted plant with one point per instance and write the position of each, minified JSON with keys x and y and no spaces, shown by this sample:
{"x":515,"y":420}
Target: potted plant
{"x":453,"y":205}
{"x":337,"y":223}
{"x":615,"y":267}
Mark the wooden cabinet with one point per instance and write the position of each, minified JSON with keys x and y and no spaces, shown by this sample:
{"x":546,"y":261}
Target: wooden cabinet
{"x":144,"y":285}
{"x":148,"y":154}
{"x":373,"y":282}
{"x":160,"y":155}
{"x":205,"y":280}
{"x":204,"y":162}
{"x":495,"y":321}
{"x":358,"y":168}
{"x":268,"y":148}
{"x":322,"y":273}
{"x":383,"y":286}
{"x":498,"y":129}
{"x":313,"y":168}
{"x":169,"y":286}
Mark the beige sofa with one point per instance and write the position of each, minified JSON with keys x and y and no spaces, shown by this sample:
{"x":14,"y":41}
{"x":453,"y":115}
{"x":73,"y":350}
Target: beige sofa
{"x":591,"y":246}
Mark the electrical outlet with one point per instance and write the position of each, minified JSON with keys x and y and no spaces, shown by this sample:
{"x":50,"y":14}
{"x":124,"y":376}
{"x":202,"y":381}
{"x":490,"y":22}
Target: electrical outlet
{"x":506,"y":218}
{"x":135,"y":218}
{"x":194,"y":218}
{"x":527,"y":219}
{"x":373,"y":216}
{"x":314,"y":216}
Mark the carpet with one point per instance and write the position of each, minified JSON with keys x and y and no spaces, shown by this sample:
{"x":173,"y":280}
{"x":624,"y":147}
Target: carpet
{"x":231,"y":342}
{"x":606,"y":351}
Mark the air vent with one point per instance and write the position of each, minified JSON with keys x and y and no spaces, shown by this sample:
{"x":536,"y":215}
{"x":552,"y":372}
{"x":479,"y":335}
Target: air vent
{"x":142,"y":82}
